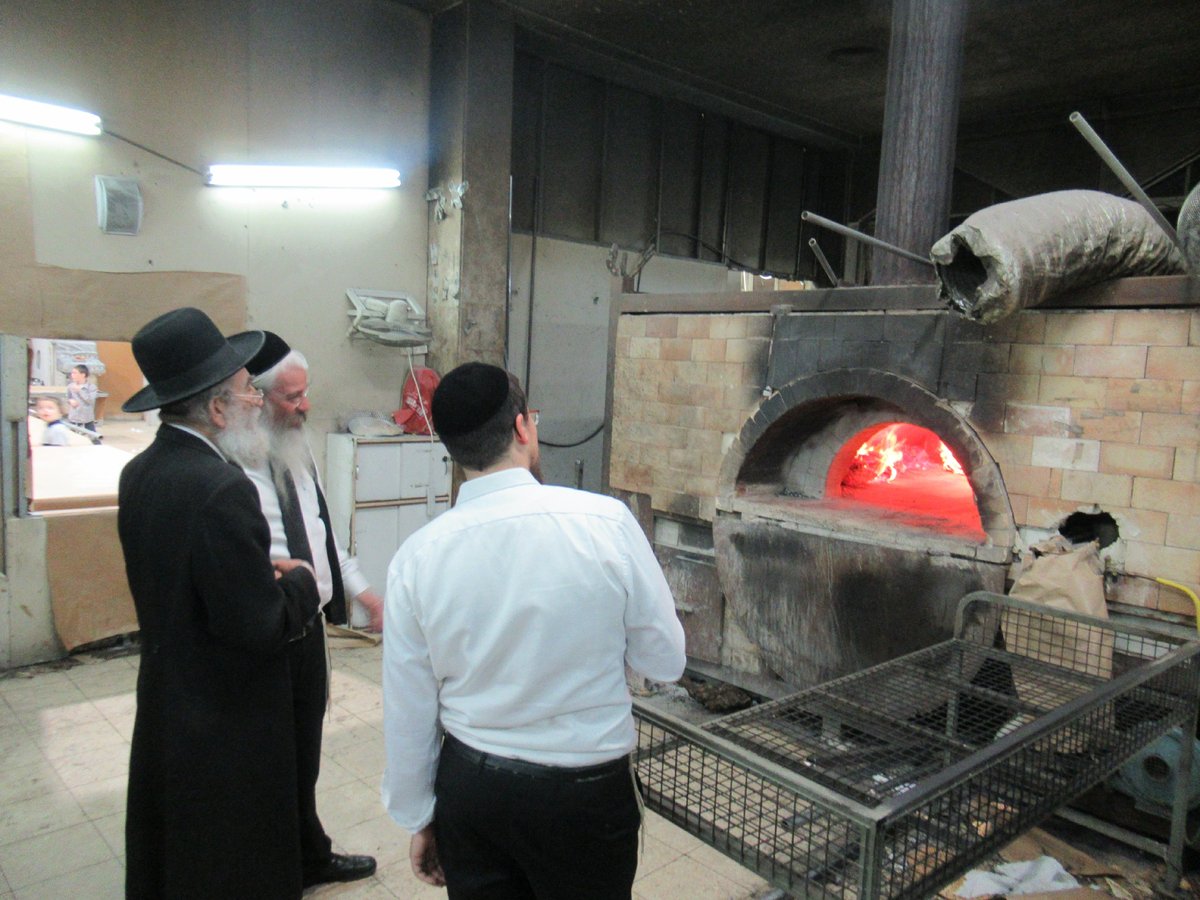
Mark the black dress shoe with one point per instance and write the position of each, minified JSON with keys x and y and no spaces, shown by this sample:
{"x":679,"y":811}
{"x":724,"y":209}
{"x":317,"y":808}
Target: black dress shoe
{"x":341,"y":868}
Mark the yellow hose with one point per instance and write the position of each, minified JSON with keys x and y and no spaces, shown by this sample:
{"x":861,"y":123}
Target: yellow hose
{"x":1186,"y":590}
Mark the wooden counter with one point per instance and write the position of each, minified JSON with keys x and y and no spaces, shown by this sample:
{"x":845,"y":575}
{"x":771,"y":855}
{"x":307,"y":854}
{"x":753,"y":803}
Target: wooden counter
{"x":75,"y":477}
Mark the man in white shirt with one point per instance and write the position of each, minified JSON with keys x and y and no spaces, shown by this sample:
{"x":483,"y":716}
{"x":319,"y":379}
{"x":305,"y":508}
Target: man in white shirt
{"x":509,"y":622}
{"x":294,"y":506}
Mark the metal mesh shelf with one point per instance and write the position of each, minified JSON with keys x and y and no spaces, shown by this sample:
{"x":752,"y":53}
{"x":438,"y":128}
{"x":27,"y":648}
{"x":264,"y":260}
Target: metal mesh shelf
{"x":892,"y":781}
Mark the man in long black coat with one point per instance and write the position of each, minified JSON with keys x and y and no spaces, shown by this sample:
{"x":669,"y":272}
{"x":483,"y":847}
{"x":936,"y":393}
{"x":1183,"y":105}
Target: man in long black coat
{"x":212,"y":781}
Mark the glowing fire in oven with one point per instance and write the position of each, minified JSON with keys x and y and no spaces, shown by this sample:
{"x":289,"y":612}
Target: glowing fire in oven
{"x":908,"y":471}
{"x":896,"y":450}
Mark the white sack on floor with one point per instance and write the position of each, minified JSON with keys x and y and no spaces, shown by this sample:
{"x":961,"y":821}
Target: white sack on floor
{"x":1034,"y":876}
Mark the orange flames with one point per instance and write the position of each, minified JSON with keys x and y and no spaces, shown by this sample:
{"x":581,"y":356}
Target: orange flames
{"x":897,"y":449}
{"x":949,"y":463}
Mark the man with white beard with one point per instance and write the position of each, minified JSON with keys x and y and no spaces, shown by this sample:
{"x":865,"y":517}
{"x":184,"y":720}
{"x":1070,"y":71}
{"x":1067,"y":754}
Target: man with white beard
{"x":281,"y":373}
{"x":294,"y":506}
{"x":212,"y":809}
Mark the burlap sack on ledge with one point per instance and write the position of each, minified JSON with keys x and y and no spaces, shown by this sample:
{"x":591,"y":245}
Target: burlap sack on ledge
{"x":1015,"y":255}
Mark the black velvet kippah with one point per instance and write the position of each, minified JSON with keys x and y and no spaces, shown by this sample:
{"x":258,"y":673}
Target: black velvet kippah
{"x":274,"y":349}
{"x":467,"y":397}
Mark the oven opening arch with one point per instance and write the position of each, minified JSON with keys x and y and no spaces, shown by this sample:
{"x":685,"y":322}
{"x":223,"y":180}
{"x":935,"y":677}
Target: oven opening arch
{"x":795,"y":452}
{"x":822,"y":584}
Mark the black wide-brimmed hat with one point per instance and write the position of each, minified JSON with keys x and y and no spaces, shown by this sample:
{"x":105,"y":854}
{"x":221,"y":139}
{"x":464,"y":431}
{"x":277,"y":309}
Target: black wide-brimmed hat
{"x":274,"y":349}
{"x":467,"y":397}
{"x":182,"y":353}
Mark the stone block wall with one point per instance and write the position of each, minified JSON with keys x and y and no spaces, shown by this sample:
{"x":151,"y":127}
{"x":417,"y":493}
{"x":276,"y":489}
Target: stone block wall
{"x":683,"y":386}
{"x":1101,"y":413}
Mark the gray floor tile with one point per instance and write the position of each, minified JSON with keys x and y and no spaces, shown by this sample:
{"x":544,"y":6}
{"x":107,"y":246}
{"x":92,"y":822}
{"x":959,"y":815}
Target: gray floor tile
{"x":54,"y":854}
{"x":64,"y":736}
{"x":101,"y":881}
{"x":38,"y":816}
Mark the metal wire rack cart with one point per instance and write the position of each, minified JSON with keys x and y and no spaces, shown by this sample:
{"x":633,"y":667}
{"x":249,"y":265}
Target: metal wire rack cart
{"x":893,"y":781}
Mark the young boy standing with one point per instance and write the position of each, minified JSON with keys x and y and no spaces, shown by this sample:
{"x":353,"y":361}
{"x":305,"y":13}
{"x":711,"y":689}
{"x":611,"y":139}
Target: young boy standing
{"x":81,"y":399}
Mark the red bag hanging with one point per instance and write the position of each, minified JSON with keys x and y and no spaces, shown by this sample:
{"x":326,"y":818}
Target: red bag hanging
{"x":415,"y":398}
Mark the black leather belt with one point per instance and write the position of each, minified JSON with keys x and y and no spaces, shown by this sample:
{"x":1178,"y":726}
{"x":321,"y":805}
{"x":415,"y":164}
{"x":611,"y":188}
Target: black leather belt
{"x":483,"y":760}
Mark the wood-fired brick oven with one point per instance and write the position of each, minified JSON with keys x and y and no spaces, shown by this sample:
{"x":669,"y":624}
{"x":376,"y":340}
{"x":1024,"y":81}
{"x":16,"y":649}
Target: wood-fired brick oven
{"x":1085,"y":407}
{"x":820,"y":533}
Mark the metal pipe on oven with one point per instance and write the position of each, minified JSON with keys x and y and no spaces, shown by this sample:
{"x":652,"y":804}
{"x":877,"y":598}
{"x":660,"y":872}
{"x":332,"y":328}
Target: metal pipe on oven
{"x":824,"y":262}
{"x":1131,"y":185}
{"x":846,"y":231}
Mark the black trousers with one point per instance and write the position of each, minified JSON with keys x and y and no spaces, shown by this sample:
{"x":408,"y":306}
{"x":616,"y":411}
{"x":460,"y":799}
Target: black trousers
{"x":307,"y":660}
{"x":522,"y":832}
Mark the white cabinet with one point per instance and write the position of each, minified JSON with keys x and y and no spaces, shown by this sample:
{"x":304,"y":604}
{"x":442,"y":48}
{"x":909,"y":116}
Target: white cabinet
{"x":380,"y":490}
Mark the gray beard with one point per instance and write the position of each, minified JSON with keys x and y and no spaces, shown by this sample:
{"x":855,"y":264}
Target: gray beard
{"x":242,"y":440}
{"x":288,"y":451}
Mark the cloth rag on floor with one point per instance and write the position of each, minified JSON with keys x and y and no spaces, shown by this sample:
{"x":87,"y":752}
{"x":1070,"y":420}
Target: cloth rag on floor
{"x":1033,"y":876}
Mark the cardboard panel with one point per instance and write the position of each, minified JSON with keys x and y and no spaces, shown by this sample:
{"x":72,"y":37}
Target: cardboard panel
{"x":88,"y":592}
{"x":116,"y":304}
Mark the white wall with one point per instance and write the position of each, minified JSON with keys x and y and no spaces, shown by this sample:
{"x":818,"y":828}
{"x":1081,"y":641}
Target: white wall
{"x":323,"y":81}
{"x":571,"y":301}
{"x":203,"y":81}
{"x":195,"y":82}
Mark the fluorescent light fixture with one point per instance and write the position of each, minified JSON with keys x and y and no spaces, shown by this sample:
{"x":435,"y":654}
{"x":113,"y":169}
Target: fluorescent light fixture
{"x":47,"y":115}
{"x":300,"y":176}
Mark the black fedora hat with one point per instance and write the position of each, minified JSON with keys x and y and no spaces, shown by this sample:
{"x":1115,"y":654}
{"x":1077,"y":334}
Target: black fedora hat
{"x":182,"y":353}
{"x":274,"y":349}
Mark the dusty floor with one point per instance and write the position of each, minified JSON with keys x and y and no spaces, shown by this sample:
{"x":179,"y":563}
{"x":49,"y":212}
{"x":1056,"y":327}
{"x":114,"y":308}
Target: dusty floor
{"x":64,"y":741}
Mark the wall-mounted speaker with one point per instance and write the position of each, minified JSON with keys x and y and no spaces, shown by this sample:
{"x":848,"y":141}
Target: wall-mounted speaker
{"x":118,"y":204}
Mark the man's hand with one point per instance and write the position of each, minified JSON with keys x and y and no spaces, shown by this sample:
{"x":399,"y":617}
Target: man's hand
{"x":283,"y":566}
{"x":373,"y":604}
{"x":423,"y":855}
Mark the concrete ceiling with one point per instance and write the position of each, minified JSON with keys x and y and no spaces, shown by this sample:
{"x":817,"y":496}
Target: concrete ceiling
{"x":816,"y":71}
{"x":824,"y":62}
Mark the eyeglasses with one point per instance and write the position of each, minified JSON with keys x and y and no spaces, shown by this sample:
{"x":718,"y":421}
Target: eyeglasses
{"x":532,"y":415}
{"x":296,"y":398}
{"x":251,"y":395}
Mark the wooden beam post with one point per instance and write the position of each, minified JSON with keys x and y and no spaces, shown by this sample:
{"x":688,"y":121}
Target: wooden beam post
{"x":920,"y":121}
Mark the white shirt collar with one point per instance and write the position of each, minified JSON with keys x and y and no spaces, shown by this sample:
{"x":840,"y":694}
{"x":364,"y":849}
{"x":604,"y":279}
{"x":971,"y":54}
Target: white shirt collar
{"x":496,"y":481}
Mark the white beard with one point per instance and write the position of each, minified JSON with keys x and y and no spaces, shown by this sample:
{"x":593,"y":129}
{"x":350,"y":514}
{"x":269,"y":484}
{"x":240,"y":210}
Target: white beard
{"x":242,"y":440}
{"x":288,"y":450}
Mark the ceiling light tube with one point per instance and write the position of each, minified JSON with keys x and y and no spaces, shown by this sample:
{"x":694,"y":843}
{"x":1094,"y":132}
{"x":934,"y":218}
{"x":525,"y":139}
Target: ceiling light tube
{"x":300,"y":176}
{"x":48,"y":115}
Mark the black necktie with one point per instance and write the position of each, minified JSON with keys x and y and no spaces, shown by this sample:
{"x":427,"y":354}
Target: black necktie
{"x":335,"y":609}
{"x":293,"y":520}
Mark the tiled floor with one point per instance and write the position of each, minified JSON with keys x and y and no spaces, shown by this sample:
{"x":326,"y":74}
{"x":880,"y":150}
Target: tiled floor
{"x":64,"y":753}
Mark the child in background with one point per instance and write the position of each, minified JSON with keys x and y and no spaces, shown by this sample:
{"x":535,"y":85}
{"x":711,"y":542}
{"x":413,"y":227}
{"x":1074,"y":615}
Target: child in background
{"x":56,"y":434}
{"x":81,"y":399}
